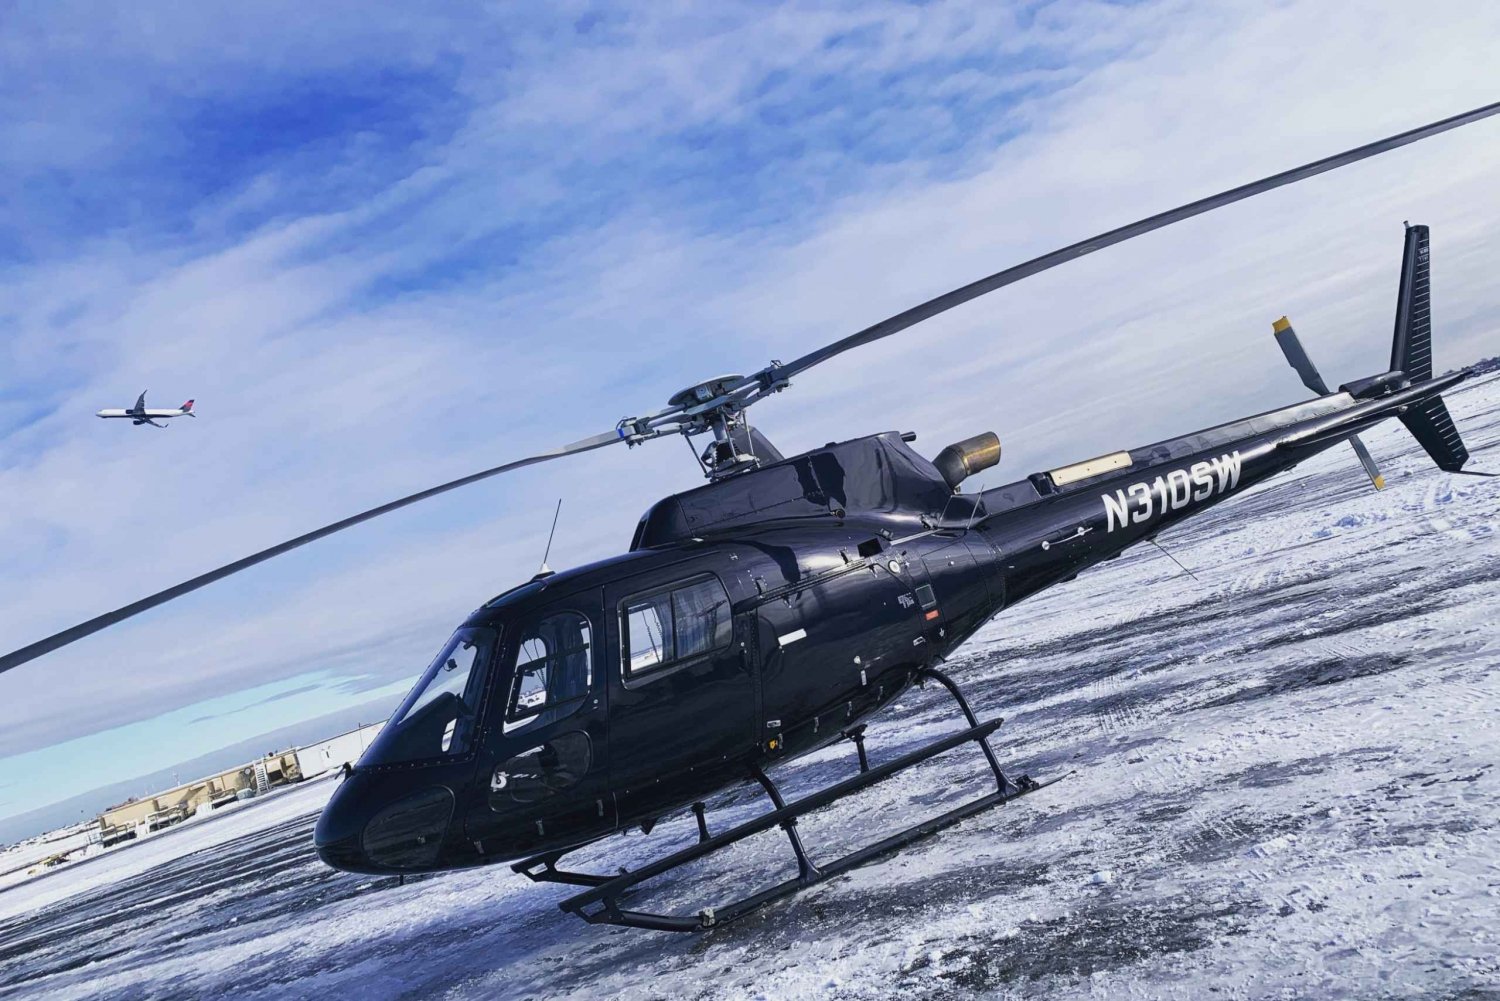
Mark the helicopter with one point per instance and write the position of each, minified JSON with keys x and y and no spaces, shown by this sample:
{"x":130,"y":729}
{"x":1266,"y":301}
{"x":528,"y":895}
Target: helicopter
{"x":781,"y":606}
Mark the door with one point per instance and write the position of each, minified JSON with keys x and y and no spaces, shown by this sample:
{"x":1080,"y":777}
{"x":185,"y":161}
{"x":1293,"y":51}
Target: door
{"x":681,"y":690}
{"x":543,"y":776}
{"x":830,"y":644}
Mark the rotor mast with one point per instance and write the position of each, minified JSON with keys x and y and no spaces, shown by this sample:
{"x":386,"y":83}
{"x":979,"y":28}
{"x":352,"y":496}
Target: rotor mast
{"x":715,"y":406}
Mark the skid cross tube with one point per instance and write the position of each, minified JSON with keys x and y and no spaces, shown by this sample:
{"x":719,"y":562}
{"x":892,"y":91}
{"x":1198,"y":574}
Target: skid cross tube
{"x":601,"y":903}
{"x":543,"y":869}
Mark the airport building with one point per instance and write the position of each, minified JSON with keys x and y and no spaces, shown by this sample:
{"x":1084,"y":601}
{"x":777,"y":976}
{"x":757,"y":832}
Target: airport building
{"x":148,"y":814}
{"x":315,"y":759}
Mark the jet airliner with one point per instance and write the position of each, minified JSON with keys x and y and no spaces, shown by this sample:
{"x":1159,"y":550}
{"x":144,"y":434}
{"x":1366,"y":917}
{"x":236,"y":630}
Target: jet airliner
{"x":138,"y":414}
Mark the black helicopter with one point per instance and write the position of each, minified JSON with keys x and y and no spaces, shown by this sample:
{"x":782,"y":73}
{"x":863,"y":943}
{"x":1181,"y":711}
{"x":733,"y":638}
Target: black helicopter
{"x":777,"y":608}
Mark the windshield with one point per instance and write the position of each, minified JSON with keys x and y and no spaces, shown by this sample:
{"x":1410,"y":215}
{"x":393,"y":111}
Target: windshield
{"x":437,"y":719}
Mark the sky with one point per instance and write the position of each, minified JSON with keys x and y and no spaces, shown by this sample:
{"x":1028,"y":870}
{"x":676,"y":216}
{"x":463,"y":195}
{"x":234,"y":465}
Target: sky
{"x":387,"y":246}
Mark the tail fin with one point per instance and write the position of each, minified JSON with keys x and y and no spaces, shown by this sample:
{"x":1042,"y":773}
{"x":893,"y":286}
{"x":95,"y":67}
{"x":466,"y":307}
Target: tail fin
{"x":187,"y":407}
{"x":1411,"y":353}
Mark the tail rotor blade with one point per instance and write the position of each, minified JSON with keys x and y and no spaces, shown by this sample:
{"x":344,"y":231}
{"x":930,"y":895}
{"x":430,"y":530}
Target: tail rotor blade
{"x":1297,"y":357}
{"x":1286,"y":337}
{"x":1368,"y":461}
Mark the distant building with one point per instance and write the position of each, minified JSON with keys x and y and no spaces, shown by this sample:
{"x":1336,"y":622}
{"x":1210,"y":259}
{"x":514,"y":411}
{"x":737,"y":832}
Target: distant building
{"x":315,"y":759}
{"x":145,"y":815}
{"x":152,"y":813}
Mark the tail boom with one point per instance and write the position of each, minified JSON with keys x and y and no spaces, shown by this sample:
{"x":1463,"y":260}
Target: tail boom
{"x":1055,"y":531}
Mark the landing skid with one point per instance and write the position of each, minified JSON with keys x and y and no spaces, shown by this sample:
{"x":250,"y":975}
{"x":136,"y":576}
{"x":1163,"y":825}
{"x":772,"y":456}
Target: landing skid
{"x":600,"y":904}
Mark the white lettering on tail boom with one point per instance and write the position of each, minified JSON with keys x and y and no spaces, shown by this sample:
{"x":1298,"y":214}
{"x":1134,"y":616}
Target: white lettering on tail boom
{"x":1140,"y":502}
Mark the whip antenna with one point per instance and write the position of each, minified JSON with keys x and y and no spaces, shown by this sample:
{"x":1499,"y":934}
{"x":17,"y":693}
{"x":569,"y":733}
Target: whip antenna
{"x":1169,"y":556}
{"x":548,"y":551}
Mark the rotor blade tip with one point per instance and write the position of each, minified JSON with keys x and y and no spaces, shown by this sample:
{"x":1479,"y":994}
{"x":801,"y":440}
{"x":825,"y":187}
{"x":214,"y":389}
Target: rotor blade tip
{"x":1281,"y":324}
{"x":1379,"y":482}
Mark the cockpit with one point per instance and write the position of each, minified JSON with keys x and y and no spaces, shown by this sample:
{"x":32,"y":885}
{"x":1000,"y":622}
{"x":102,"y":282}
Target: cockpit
{"x":554,"y":669}
{"x":440,"y":717}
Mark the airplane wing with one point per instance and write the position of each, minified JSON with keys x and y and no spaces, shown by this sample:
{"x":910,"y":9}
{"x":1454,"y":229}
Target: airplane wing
{"x":140,"y":403}
{"x":153,"y":423}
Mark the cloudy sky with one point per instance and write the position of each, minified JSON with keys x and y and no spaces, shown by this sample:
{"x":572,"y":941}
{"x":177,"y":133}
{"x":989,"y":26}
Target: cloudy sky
{"x":384,"y":248}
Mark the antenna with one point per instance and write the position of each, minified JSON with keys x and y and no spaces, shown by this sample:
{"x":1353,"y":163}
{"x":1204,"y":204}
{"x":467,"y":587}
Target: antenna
{"x":978,"y":503}
{"x":548,"y":552}
{"x":1169,"y":556}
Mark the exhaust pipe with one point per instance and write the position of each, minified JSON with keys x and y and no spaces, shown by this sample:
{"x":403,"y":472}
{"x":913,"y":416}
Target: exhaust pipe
{"x":963,"y":459}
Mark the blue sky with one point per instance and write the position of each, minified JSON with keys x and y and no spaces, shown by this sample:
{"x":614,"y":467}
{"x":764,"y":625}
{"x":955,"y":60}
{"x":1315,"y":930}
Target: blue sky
{"x":386,"y":247}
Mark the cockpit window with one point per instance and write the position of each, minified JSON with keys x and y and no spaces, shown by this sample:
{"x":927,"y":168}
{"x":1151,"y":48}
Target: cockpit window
{"x":554,"y":666}
{"x":438,"y":718}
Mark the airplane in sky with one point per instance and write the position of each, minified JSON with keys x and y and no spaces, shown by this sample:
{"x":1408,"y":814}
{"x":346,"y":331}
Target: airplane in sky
{"x":138,"y":414}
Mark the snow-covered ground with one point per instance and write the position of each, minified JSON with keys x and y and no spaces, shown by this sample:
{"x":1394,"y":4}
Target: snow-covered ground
{"x":17,"y":860}
{"x":1283,"y":786}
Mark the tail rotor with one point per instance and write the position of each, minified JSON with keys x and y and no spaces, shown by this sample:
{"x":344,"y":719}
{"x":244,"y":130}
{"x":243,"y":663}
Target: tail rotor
{"x":1297,"y":357}
{"x":1427,"y":419}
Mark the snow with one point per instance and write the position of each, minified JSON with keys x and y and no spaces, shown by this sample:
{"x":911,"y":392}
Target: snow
{"x":1282,"y":784}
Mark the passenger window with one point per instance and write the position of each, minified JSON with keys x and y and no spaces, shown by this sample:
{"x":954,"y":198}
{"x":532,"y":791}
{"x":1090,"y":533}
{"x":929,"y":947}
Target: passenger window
{"x":701,"y":612}
{"x":554,"y":665}
{"x":675,"y":625}
{"x":649,"y":626}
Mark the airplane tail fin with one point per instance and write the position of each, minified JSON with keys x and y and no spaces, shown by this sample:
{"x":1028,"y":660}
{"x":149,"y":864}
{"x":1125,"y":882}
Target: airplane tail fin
{"x":187,"y":408}
{"x":1411,"y":353}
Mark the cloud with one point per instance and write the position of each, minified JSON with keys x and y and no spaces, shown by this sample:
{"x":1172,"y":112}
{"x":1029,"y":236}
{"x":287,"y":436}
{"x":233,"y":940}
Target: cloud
{"x":387,"y":249}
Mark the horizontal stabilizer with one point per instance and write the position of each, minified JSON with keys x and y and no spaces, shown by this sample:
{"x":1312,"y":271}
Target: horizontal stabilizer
{"x":1433,"y":427}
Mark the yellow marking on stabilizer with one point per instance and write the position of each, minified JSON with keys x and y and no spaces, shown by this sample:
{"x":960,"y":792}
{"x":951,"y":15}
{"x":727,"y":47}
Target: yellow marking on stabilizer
{"x":1281,"y":324}
{"x":1380,"y":483}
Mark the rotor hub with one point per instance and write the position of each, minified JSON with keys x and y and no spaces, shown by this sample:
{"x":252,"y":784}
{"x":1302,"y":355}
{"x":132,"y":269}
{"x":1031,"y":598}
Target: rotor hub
{"x":706,"y":391}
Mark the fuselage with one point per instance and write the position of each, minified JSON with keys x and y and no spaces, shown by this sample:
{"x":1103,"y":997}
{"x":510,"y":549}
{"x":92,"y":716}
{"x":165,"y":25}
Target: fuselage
{"x":832,"y":576}
{"x":138,"y":414}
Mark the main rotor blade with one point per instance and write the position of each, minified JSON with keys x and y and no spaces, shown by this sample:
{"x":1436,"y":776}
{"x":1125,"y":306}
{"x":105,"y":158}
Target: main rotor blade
{"x":93,"y":625}
{"x":1000,"y":279}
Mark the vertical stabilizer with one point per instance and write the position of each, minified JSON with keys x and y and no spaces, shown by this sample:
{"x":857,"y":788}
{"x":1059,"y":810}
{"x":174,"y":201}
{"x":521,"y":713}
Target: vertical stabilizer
{"x":1411,"y":349}
{"x":1411,"y":353}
